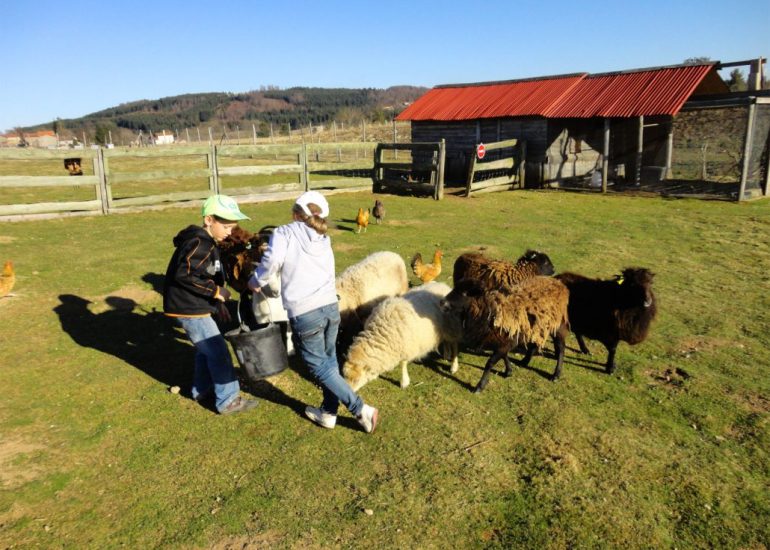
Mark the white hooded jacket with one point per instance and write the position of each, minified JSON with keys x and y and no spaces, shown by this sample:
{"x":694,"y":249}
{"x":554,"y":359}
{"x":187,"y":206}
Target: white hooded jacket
{"x":305,"y":262}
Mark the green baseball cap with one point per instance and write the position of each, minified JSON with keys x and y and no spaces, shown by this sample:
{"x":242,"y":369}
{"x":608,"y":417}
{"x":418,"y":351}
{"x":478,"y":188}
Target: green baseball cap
{"x":223,"y":207}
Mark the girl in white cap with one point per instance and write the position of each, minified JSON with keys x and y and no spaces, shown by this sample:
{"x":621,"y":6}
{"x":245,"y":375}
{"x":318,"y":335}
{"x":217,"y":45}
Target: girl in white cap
{"x":301,"y":252}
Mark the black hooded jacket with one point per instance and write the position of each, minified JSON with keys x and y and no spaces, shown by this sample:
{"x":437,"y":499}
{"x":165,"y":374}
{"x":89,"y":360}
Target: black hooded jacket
{"x":194,"y":277}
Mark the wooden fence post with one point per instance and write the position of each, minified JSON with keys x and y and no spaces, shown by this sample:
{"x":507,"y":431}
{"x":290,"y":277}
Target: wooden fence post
{"x":605,"y":154}
{"x":377,"y":170}
{"x":523,"y":164}
{"x":471,"y":172}
{"x":439,"y":193}
{"x":101,"y":188}
{"x":211,"y":163}
{"x":746,"y":152}
{"x":305,"y":173}
{"x":639,"y":151}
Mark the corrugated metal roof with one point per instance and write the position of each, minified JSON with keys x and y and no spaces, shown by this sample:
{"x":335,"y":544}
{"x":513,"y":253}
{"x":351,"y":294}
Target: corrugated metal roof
{"x":630,"y":94}
{"x":492,"y":100}
{"x":626,"y":94}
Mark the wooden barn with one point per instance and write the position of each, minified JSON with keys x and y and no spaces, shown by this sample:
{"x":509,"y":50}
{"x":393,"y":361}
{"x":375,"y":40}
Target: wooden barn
{"x":612,"y":126}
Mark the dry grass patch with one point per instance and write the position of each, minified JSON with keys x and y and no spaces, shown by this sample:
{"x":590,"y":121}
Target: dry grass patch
{"x":15,"y":469}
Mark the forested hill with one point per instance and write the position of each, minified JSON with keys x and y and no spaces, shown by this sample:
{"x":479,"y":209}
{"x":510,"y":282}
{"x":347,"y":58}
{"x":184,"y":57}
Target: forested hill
{"x":281,"y":107}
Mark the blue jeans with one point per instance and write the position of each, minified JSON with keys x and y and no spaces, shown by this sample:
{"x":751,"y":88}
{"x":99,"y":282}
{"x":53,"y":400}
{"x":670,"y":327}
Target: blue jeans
{"x":213,"y":365}
{"x":315,"y":336}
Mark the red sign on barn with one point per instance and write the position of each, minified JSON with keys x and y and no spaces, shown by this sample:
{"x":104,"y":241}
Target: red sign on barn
{"x":481,"y":151}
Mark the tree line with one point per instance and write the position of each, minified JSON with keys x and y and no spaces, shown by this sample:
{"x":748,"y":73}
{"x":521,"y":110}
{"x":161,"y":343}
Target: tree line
{"x":292,"y":107}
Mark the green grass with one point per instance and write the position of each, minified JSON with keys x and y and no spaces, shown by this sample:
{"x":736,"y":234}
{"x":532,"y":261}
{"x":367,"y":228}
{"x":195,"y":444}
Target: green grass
{"x":671,"y":451}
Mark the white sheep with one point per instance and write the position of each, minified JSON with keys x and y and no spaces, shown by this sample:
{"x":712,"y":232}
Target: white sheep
{"x":365,"y":284}
{"x":402,"y":329}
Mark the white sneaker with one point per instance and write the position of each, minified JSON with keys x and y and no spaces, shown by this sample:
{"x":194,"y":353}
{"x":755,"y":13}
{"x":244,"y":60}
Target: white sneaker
{"x":368,"y":418}
{"x":322,"y":418}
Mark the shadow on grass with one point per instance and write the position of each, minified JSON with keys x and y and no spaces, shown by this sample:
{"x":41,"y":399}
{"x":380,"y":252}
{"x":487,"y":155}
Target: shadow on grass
{"x":345,"y":227}
{"x":149,"y":342}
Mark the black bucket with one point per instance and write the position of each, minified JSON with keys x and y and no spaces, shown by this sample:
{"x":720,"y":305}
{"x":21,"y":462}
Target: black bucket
{"x":261,"y":352}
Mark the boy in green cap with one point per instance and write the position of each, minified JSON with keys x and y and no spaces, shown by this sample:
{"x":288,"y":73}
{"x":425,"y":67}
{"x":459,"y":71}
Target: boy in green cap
{"x":194,"y":289}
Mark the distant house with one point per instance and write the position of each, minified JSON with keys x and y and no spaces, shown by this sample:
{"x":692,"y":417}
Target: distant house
{"x":569,"y":121}
{"x":164,"y":139}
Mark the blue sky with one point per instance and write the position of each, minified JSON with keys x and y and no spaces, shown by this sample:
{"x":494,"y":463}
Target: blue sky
{"x":68,"y":59}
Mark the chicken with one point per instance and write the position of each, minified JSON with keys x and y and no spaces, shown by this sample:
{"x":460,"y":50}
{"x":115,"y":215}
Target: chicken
{"x":427,"y":272}
{"x":378,"y":211}
{"x":7,"y":280}
{"x":362,"y":219}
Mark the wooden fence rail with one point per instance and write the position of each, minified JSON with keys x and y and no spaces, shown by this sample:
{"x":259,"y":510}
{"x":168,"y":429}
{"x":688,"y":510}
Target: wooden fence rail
{"x":136,"y":178}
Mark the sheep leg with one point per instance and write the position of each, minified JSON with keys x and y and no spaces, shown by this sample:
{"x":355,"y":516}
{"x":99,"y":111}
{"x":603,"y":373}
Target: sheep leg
{"x":496,"y":356}
{"x":583,"y":348}
{"x":558,"y":346}
{"x":452,"y":351}
{"x":404,"y":375}
{"x":528,"y":355}
{"x":507,"y":362}
{"x":611,"y":357}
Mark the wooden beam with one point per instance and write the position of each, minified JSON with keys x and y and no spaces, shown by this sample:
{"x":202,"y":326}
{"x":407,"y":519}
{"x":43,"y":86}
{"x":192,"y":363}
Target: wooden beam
{"x":639,"y":151}
{"x":746,"y":152}
{"x":669,"y":148}
{"x":605,"y":154}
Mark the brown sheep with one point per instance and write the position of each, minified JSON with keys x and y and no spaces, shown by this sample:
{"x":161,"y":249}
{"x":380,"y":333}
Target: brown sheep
{"x":611,"y":310}
{"x":527,"y":315}
{"x":501,"y":274}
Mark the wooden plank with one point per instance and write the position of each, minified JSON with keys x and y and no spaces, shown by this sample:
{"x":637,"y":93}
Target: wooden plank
{"x":22,"y":153}
{"x":410,"y":166}
{"x":260,"y":170}
{"x":501,"y":144}
{"x":160,"y":174}
{"x":267,"y":149}
{"x":410,"y":146}
{"x":315,"y":166}
{"x":273,"y":188}
{"x":402,"y":183}
{"x":144,"y":152}
{"x":341,"y":183}
{"x":504,"y":163}
{"x":493,"y":189}
{"x":156,"y":199}
{"x":493,"y":181}
{"x":365,"y":146}
{"x":48,"y":181}
{"x":40,"y":207}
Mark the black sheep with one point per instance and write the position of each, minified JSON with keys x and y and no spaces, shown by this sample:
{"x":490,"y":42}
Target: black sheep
{"x":527,"y":315}
{"x":611,"y":310}
{"x":501,"y":274}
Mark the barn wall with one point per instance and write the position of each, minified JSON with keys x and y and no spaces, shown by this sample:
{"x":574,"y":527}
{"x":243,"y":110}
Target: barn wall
{"x":463,"y":136}
{"x":576,"y":145}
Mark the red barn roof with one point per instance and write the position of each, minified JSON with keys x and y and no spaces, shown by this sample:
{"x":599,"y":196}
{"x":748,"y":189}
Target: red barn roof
{"x":656,"y":91}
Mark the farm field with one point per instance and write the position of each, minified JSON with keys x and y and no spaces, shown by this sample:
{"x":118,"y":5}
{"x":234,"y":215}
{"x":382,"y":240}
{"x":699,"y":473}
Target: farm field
{"x":672,"y":450}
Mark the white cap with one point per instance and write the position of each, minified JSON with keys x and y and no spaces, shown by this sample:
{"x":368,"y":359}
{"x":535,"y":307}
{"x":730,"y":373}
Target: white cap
{"x":316,"y":198}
